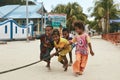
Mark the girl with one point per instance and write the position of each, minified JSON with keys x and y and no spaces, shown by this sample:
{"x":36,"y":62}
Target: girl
{"x":61,"y":43}
{"x":83,"y":47}
{"x":46,"y":45}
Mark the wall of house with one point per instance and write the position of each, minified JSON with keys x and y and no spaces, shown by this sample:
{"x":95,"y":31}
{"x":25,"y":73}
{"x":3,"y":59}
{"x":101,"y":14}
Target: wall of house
{"x":36,"y":24}
{"x":5,"y":32}
{"x":10,"y":30}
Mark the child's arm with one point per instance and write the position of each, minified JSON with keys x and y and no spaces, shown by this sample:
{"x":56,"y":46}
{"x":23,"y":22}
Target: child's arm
{"x":56,"y":53}
{"x":91,"y":51}
{"x":72,"y":41}
{"x":90,"y":47}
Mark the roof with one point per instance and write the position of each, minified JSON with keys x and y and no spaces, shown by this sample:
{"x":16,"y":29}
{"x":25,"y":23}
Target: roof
{"x":0,"y":15}
{"x":57,"y":15}
{"x":4,"y":10}
{"x":19,"y":11}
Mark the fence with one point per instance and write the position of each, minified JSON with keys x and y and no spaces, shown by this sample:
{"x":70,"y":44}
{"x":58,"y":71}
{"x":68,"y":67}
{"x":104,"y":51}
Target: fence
{"x":112,"y":37}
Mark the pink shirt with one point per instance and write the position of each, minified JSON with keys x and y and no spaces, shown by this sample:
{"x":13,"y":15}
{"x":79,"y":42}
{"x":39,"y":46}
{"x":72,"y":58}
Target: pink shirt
{"x":82,"y":43}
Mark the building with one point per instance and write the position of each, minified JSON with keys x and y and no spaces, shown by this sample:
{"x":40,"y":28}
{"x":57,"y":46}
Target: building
{"x":18,"y":13}
{"x":10,"y":30}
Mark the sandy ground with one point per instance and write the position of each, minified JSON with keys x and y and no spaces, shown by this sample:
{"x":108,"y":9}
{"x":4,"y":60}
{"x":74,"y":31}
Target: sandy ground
{"x":105,"y":65}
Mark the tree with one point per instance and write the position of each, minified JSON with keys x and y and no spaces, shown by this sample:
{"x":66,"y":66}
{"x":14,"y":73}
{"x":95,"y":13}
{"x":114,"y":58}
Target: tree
{"x":105,"y":9}
{"x":74,"y":12}
{"x":9,"y":2}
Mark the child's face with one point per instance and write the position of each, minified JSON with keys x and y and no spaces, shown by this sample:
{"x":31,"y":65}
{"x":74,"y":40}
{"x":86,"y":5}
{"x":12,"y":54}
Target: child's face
{"x":78,"y":30}
{"x":56,"y":38}
{"x":48,"y":31}
{"x":65,"y":34}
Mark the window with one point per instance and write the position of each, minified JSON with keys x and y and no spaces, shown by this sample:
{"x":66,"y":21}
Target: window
{"x":22,"y":31}
{"x":16,"y":29}
{"x":6,"y":29}
{"x":28,"y":30}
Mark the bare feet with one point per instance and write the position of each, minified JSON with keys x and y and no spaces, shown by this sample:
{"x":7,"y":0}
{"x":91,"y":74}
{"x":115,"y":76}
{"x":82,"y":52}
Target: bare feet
{"x":48,"y":67}
{"x":78,"y":73}
{"x":66,"y":67}
{"x":70,"y":64}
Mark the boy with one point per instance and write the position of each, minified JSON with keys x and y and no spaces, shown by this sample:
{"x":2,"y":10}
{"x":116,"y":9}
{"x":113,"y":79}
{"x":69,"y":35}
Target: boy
{"x":66,"y":35}
{"x":46,"y":45}
{"x":61,"y":43}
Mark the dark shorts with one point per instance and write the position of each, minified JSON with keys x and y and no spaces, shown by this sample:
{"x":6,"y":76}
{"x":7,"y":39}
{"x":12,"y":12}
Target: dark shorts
{"x":45,"y":55}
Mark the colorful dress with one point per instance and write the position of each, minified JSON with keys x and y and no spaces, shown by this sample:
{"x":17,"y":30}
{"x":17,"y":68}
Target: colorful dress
{"x":47,"y":44}
{"x":82,"y":50}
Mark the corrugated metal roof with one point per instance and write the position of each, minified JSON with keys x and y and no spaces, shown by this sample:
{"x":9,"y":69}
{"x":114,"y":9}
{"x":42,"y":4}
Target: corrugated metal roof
{"x":0,"y":15}
{"x":20,"y":12}
{"x":4,"y":10}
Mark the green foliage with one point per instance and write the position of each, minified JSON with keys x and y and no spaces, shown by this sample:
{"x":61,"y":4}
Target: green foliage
{"x":105,"y":9}
{"x":74,"y":12}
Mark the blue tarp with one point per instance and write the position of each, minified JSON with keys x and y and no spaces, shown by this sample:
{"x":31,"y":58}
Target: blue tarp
{"x":115,"y":21}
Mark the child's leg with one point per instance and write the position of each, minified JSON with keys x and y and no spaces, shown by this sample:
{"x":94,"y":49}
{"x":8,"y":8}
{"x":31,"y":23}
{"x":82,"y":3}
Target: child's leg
{"x":70,"y":55}
{"x":65,"y":63}
{"x":46,"y":57}
{"x":48,"y":65}
{"x":60,"y":59}
{"x":83,"y":62}
{"x":63,"y":60}
{"x":76,"y":65}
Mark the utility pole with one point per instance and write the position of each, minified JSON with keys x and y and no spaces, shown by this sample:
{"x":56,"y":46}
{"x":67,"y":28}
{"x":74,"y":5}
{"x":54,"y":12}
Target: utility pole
{"x":27,"y":20}
{"x":42,"y":26}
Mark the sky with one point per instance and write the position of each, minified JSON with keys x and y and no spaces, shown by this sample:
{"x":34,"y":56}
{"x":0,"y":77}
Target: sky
{"x":85,"y":4}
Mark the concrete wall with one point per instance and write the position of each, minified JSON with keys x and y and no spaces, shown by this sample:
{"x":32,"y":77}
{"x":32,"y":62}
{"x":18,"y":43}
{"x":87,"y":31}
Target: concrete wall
{"x":10,"y":30}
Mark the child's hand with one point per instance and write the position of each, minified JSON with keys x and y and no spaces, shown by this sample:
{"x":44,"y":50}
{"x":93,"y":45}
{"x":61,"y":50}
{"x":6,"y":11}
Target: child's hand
{"x":70,"y":42}
{"x":92,"y":53}
{"x":56,"y":54}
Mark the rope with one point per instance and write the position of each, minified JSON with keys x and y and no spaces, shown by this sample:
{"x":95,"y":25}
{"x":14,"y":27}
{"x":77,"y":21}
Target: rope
{"x":10,"y":70}
{"x":14,"y":69}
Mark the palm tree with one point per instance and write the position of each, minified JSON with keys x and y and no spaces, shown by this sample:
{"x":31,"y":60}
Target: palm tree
{"x":59,"y":9}
{"x":74,"y":12}
{"x":105,"y":9}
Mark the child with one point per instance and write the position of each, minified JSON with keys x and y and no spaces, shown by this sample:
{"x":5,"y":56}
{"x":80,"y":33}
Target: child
{"x":66,"y":35}
{"x":46,"y":45}
{"x":61,"y":43}
{"x":83,"y":47}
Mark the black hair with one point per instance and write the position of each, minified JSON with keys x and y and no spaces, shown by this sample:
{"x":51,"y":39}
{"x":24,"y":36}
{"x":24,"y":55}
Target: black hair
{"x":79,"y":24}
{"x":56,"y":32}
{"x":50,"y":26}
{"x":65,"y":29}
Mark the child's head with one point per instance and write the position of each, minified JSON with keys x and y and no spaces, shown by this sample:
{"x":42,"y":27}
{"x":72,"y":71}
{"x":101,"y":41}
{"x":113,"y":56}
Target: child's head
{"x":48,"y":30}
{"x":79,"y":27}
{"x":65,"y":33}
{"x":56,"y":35}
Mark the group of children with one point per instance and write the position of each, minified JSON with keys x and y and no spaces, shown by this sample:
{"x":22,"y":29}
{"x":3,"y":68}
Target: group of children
{"x":63,"y":45}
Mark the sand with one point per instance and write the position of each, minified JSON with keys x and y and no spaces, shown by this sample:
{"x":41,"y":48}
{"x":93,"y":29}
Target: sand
{"x":103,"y":66}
